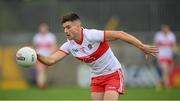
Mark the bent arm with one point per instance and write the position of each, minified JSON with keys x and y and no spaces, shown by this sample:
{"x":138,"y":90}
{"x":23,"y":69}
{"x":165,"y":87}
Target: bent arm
{"x":52,"y":59}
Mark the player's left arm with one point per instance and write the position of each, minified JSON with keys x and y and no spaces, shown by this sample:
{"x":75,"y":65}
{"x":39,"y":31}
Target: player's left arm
{"x":175,"y":47}
{"x":147,"y":49}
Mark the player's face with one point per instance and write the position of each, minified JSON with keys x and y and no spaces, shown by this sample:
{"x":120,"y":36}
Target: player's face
{"x":43,"y":29}
{"x":71,"y":28}
{"x":165,"y":29}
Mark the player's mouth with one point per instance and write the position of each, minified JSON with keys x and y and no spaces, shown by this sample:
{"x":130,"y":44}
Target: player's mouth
{"x":68,"y":36}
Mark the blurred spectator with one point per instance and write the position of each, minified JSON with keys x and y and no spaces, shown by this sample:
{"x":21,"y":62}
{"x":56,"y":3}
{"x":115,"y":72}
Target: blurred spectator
{"x":44,"y":43}
{"x":166,"y":41}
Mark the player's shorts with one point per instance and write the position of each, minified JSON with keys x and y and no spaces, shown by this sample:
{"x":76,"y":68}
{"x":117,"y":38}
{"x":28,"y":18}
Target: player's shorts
{"x":168,"y":61}
{"x":110,"y":82}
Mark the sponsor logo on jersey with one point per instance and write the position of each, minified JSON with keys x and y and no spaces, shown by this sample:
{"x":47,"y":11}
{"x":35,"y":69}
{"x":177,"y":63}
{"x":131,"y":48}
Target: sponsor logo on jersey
{"x":80,"y":49}
{"x":75,"y":50}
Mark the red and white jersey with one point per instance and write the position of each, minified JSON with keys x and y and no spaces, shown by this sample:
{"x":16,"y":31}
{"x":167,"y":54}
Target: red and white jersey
{"x":165,"y":43}
{"x":43,"y":43}
{"x":93,"y":50}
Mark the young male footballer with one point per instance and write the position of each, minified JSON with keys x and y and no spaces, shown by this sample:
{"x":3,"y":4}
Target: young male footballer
{"x":91,"y":46}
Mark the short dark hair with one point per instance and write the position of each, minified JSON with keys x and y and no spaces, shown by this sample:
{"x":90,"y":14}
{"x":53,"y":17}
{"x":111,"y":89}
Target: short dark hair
{"x":70,"y":17}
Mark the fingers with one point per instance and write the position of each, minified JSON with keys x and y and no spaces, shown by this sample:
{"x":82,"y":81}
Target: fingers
{"x":148,"y":57}
{"x":152,"y":52}
{"x":153,"y":55}
{"x":150,"y":49}
{"x":150,"y":45}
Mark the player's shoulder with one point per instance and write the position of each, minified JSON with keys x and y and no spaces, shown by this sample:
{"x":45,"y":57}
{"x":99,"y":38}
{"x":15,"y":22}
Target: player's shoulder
{"x":50,"y":34}
{"x":37,"y":35}
{"x":36,"y":38}
{"x":90,"y":34}
{"x":90,"y":31}
{"x":172,"y":36}
{"x":159,"y":34}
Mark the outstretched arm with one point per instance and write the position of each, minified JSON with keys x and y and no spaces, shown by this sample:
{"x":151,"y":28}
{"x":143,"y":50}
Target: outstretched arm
{"x":147,"y":49}
{"x":50,"y":60}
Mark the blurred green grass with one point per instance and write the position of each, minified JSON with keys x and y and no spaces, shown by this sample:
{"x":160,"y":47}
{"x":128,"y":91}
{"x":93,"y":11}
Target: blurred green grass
{"x":76,"y":93}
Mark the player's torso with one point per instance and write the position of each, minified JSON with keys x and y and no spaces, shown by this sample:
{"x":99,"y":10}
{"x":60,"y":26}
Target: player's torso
{"x":97,"y":55}
{"x":165,"y":44}
{"x":85,"y":49}
{"x":43,"y":44}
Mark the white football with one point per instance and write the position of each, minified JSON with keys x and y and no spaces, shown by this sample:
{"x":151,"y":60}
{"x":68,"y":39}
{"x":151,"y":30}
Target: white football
{"x":26,"y":56}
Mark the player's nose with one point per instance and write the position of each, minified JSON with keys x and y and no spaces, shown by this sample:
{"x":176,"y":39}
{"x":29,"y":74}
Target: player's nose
{"x":65,"y":30}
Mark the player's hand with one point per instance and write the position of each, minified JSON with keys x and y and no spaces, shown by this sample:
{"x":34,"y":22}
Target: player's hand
{"x":150,"y":50}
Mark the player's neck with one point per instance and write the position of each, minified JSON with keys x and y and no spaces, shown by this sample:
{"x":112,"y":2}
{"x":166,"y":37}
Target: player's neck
{"x":79,"y":38}
{"x":44,"y":33}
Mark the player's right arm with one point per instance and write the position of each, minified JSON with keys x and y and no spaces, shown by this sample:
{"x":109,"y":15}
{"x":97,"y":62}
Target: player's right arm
{"x":55,"y":57}
{"x":52,"y":59}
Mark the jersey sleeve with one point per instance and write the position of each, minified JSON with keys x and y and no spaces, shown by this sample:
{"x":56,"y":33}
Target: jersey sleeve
{"x":65,"y":48}
{"x":95,"y":35}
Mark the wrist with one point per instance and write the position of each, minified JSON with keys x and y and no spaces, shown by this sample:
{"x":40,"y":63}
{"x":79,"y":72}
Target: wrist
{"x":141,"y":46}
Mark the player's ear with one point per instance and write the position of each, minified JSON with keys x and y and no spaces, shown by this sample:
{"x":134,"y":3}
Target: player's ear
{"x":77,"y":22}
{"x":79,"y":25}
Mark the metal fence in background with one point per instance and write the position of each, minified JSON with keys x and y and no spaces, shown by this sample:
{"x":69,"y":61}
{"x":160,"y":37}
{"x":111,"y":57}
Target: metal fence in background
{"x":133,"y":15}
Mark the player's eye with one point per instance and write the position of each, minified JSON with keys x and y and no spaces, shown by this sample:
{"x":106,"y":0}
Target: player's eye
{"x":68,"y":27}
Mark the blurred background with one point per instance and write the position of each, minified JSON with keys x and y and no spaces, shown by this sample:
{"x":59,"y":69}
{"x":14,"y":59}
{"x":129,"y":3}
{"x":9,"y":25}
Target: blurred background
{"x":70,"y":79}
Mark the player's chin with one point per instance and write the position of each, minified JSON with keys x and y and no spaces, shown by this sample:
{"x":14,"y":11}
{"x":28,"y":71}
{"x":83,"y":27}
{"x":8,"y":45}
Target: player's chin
{"x":68,"y":37}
